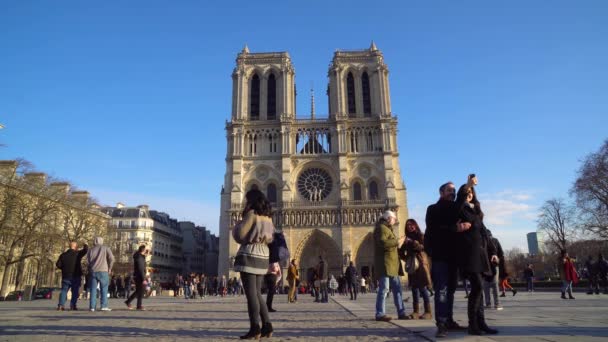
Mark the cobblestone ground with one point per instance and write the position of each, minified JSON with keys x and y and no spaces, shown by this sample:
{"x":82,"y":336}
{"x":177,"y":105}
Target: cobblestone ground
{"x":526,"y":317}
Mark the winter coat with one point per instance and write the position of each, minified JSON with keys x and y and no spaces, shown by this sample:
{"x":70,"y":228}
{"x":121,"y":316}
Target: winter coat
{"x":139,"y":266}
{"x":386,"y":258}
{"x":420,"y":278}
{"x":567,"y":271}
{"x":351,"y":274}
{"x":70,"y":263}
{"x":476,"y":247}
{"x":254,"y":233}
{"x":441,"y":239}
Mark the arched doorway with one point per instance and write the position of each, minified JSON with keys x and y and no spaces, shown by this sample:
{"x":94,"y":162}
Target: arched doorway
{"x":319,"y":243}
{"x":364,"y":260}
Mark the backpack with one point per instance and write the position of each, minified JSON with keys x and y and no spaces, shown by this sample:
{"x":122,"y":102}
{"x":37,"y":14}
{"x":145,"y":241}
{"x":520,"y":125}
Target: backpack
{"x":278,"y":248}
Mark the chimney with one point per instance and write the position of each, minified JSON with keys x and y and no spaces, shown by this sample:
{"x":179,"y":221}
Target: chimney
{"x":81,"y":197}
{"x":143,"y":206}
{"x":61,"y":189}
{"x":119,"y":205}
{"x":8,"y":168}
{"x":36,"y":178}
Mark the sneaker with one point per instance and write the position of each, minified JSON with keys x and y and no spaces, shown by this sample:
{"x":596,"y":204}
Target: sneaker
{"x":141,"y":308}
{"x":60,"y":308}
{"x":383,"y":318}
{"x":488,"y":305}
{"x":498,"y":307}
{"x":106,"y":309}
{"x":128,"y":305}
{"x":92,"y":310}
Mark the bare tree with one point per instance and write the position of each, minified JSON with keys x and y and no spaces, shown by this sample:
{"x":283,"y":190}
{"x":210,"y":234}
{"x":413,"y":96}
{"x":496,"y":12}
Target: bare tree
{"x":556,"y":220}
{"x":591,"y":192}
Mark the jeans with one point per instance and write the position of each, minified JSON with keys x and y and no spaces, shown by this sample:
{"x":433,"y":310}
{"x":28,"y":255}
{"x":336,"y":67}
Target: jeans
{"x":74,"y":285}
{"x":389,"y":283}
{"x":323,"y":290}
{"x":445,"y":279}
{"x":103,"y":279}
{"x":417,"y":292}
{"x":187,"y":292}
{"x":494,"y":286}
{"x":566,"y":286}
{"x":256,"y":307}
{"x":352,"y":289}
{"x":530,"y":281}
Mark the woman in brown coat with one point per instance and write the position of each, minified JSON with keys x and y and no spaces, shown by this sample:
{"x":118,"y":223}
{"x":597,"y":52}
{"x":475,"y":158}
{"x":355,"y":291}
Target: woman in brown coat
{"x":420,"y":278}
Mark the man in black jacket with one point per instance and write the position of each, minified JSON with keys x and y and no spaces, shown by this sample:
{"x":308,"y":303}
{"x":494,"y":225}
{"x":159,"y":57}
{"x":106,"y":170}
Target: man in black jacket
{"x":139,"y":276}
{"x":71,"y":274}
{"x":351,"y":280}
{"x":442,"y":241}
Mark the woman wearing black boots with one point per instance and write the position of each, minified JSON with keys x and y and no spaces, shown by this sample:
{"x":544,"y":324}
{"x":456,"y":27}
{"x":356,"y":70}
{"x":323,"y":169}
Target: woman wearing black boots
{"x":254,"y":232}
{"x":475,"y":249}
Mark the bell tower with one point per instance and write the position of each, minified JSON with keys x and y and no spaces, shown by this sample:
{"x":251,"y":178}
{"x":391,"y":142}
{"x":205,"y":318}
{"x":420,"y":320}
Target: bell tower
{"x":358,"y":84}
{"x":263,"y":86}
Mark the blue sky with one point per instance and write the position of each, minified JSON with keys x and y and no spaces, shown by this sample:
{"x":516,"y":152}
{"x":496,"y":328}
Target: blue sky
{"x":129,"y":101}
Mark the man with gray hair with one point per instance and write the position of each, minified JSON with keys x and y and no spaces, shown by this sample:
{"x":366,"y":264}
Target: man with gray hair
{"x":100,"y":260}
{"x":387,"y":266}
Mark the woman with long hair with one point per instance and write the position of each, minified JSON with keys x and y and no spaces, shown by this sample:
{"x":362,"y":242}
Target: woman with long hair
{"x":420,"y":278}
{"x":254,"y":232}
{"x":474,"y":256}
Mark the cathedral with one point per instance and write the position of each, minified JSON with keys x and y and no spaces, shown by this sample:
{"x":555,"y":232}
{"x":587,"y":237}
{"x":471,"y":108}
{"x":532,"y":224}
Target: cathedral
{"x":328,"y":179}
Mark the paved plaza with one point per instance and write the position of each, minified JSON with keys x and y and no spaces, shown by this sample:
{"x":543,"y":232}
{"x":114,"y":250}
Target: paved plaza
{"x":540,"y":316}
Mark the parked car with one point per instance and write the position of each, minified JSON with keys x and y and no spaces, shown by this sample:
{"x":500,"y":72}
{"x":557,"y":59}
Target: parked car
{"x":15,"y":295}
{"x":46,"y":292}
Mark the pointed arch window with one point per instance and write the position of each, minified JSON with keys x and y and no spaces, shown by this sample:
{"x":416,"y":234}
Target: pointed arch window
{"x":350,"y":93}
{"x":271,"y":102}
{"x":367,"y":102}
{"x":254,"y":98}
{"x":373,"y":190}
{"x":357,"y":191}
{"x":271,"y":193}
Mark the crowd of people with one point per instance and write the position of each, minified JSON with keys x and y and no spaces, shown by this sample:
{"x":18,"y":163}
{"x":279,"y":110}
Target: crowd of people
{"x":456,"y":244}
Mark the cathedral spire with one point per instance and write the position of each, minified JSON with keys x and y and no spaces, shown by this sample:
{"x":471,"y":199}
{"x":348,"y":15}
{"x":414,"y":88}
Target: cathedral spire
{"x":312,"y":103}
{"x":245,"y":49}
{"x":373,"y":47}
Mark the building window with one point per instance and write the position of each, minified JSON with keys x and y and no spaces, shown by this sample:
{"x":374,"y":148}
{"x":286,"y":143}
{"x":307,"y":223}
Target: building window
{"x":272,"y":193}
{"x":254,"y":95}
{"x":357,"y":191}
{"x":367,"y":103}
{"x":373,"y":190}
{"x":350,"y":93}
{"x":271,"y":104}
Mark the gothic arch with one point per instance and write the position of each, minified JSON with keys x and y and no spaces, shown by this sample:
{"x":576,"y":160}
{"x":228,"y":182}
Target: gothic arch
{"x":273,"y":70}
{"x":317,"y":243}
{"x":364,"y":255}
{"x":361,"y":183}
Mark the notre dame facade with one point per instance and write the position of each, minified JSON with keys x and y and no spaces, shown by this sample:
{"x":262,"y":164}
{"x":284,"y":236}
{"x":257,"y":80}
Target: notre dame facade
{"x":329,"y":179}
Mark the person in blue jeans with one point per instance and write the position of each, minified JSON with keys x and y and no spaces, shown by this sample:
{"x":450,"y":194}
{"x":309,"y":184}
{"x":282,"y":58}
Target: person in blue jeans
{"x":387,"y":266}
{"x":100,"y":260}
{"x":71,"y":273}
{"x":442,"y":239}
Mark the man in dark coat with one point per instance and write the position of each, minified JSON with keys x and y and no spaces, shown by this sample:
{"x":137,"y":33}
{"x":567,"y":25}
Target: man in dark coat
{"x":70,"y":263}
{"x":323,"y":274}
{"x":351,"y":280}
{"x":139,"y":275}
{"x":442,"y":242}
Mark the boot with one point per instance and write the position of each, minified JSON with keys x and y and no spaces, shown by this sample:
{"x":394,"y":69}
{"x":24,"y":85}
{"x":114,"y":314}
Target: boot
{"x":428,"y":313}
{"x":472,"y":313}
{"x":481,"y":323}
{"x":266,"y":330}
{"x":570,"y":294}
{"x":514,"y":292}
{"x":564,"y":295}
{"x":60,"y":308}
{"x":442,"y":330}
{"x":415,"y":314}
{"x":474,"y":328}
{"x":503,"y":294}
{"x":253,"y":334}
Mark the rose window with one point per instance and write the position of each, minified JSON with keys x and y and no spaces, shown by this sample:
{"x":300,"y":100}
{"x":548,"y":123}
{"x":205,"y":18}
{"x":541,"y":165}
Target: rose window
{"x":314,"y":184}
